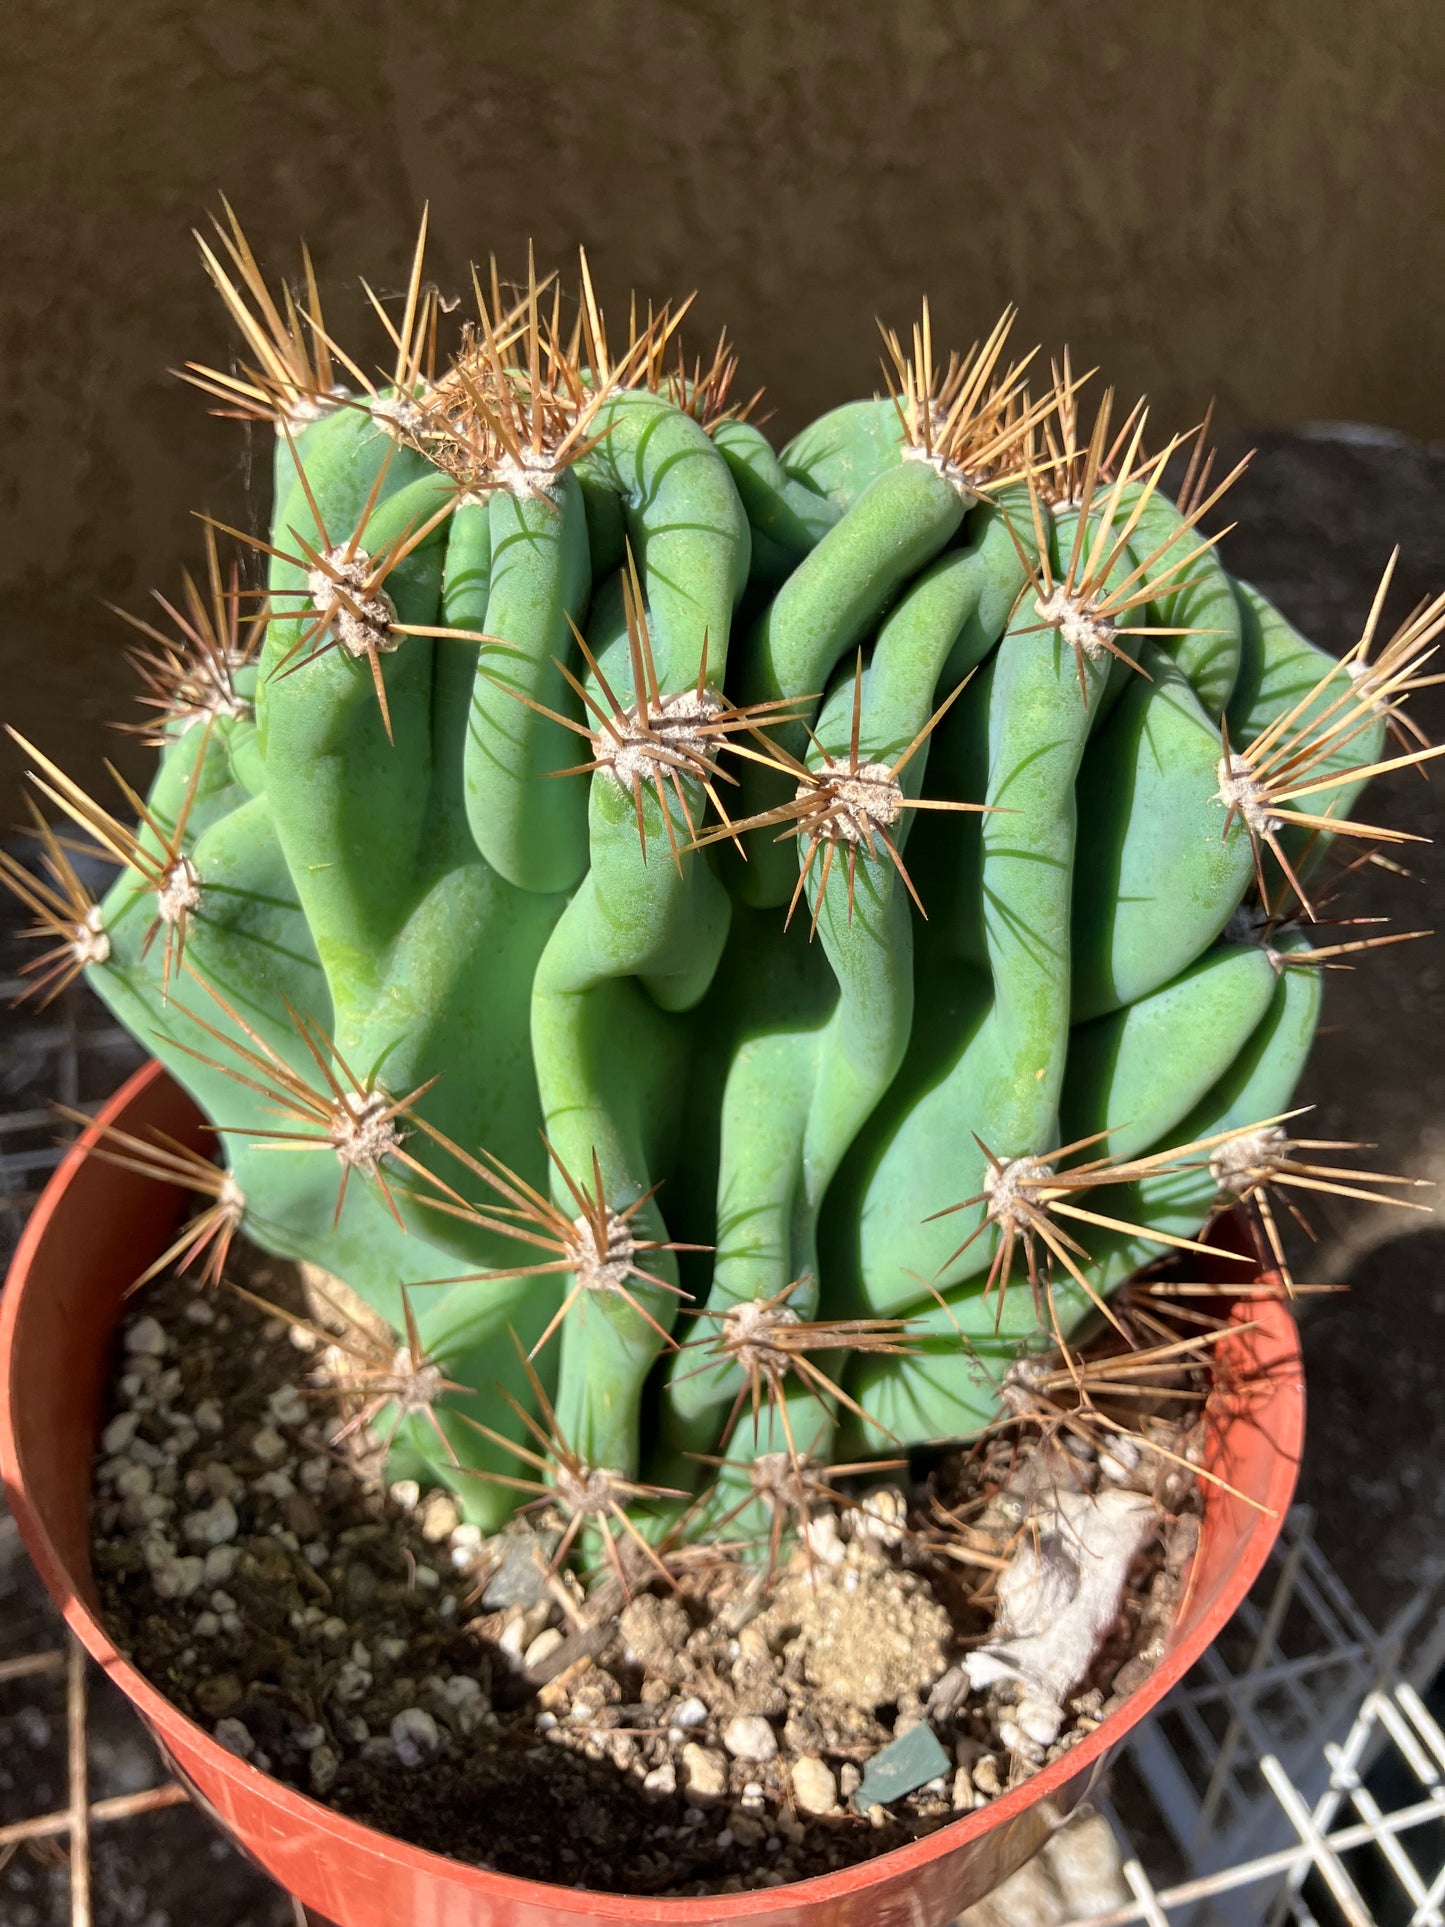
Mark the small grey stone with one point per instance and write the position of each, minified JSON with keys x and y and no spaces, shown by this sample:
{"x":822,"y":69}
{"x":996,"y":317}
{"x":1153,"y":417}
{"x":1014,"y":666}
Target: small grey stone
{"x":119,"y":1433}
{"x":235,"y":1736}
{"x":689,"y":1712}
{"x":146,"y":1339}
{"x":322,"y":1769}
{"x":521,"y":1578}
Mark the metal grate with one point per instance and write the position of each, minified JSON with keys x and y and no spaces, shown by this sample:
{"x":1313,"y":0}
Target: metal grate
{"x":1298,"y":1774}
{"x":70,"y":1053}
{"x":75,"y":1820}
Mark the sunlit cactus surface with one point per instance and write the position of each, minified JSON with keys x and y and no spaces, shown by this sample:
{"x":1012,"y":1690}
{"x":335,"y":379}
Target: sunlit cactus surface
{"x":728,"y":953}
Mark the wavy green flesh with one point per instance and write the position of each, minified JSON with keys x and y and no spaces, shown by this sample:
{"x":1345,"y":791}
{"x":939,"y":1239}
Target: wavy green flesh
{"x":447,"y":907}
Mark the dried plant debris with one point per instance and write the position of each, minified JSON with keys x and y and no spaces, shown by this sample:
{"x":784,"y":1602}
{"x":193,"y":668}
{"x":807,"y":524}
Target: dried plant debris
{"x":909,"y":1661}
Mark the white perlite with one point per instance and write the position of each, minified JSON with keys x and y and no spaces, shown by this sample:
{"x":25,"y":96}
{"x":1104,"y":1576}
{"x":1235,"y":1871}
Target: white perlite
{"x":814,"y":1788}
{"x":217,"y":1525}
{"x":288,"y":1406}
{"x":1057,"y":1599}
{"x":268,"y":1446}
{"x":414,"y":1736}
{"x":704,"y":1773}
{"x":749,"y":1737}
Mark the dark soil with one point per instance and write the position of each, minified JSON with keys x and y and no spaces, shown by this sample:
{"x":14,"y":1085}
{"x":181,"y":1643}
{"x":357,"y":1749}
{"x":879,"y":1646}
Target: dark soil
{"x":701,"y":1741}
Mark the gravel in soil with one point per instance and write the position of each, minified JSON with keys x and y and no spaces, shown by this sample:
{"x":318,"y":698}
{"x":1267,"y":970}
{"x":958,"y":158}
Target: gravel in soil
{"x":369,"y":1648}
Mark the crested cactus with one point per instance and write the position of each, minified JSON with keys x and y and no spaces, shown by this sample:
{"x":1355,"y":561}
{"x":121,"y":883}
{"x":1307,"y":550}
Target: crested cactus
{"x":725,"y":953}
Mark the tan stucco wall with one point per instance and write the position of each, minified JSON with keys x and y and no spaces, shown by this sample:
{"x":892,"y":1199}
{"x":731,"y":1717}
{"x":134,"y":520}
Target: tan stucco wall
{"x":1207,"y":197}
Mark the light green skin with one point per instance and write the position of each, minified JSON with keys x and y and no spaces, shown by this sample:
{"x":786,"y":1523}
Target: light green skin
{"x":444,"y":907}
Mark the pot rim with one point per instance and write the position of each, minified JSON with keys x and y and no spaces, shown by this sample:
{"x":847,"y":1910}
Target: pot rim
{"x":1283,"y":1406}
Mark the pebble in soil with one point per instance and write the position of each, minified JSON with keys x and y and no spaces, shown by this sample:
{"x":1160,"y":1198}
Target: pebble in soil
{"x":368,"y":1648}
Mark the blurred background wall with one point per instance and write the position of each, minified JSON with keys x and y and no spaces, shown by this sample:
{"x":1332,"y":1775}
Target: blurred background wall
{"x":1207,"y":198}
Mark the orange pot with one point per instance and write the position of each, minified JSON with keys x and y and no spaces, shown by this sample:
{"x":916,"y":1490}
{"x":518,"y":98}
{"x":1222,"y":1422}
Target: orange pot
{"x":95,"y":1228}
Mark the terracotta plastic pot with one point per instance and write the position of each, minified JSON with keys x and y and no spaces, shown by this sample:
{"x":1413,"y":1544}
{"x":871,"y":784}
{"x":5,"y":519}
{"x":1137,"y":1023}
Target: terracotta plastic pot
{"x":93,"y":1231}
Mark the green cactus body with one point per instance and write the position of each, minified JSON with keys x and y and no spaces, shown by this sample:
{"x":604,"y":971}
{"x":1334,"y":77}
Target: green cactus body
{"x":594,"y":1074}
{"x":842,"y":453}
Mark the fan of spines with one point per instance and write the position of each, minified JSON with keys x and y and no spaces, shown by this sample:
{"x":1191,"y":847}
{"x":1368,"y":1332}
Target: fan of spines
{"x":727,"y":951}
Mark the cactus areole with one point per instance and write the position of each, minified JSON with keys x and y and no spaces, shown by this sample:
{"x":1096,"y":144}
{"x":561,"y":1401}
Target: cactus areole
{"x":727,"y":952}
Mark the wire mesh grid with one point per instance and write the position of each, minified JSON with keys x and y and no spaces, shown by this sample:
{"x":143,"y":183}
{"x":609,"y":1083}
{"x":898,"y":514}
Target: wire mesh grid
{"x":1298,"y":1774}
{"x":1296,"y":1777}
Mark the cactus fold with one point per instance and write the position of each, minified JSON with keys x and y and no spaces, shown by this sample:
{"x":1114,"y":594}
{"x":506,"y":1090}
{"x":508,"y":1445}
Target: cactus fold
{"x":651,"y":882}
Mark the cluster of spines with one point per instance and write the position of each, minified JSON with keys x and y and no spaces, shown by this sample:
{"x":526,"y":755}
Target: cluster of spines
{"x":518,"y":404}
